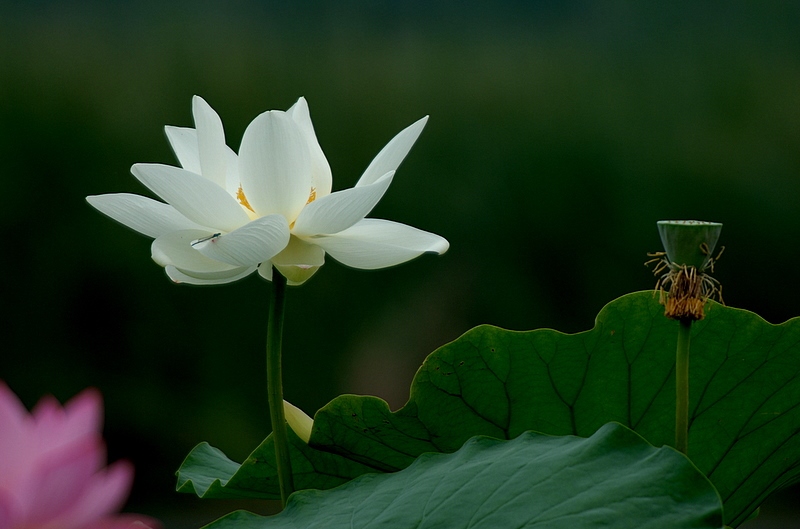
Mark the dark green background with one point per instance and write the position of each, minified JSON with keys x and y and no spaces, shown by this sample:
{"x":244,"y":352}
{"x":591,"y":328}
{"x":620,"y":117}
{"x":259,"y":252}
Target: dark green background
{"x":560,"y":132}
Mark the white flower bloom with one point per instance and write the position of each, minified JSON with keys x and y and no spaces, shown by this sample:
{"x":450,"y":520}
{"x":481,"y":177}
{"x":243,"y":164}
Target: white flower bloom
{"x":270,"y":206}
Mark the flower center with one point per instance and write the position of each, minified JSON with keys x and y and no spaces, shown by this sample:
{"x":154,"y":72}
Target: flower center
{"x":240,"y":196}
{"x":312,"y":196}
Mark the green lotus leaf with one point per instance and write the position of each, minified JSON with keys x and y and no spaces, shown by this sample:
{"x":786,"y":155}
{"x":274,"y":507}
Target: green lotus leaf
{"x":613,"y":479}
{"x":744,"y":424}
{"x":744,"y":430}
{"x":208,"y":473}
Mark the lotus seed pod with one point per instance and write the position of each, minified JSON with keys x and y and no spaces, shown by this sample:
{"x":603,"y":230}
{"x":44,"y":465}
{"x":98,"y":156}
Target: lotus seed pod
{"x":689,"y":242}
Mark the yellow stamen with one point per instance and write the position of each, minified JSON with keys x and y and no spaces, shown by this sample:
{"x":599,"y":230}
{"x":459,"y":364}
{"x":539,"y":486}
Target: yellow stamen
{"x":311,"y":198}
{"x":243,"y":199}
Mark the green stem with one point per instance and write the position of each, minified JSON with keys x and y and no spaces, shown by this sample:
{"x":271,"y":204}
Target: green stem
{"x":682,"y":387}
{"x":275,"y":385}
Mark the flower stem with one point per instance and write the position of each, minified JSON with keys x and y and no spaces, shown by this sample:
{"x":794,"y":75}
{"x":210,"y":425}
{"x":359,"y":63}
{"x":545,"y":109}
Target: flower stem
{"x":275,"y":385}
{"x":682,"y":386}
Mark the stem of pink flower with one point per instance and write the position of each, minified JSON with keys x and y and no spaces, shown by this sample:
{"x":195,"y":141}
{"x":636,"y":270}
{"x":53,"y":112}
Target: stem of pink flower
{"x":275,"y":385}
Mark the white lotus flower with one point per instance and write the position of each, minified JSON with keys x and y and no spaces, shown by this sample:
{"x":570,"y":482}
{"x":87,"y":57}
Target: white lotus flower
{"x":272,"y":205}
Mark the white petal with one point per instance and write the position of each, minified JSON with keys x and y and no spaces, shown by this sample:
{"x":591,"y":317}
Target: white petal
{"x":175,"y":249}
{"x":300,"y":253}
{"x":184,"y":144}
{"x":265,"y":270}
{"x":295,"y":275}
{"x":338,"y":211}
{"x":299,"y":422}
{"x":200,"y":200}
{"x":210,"y":142}
{"x":375,"y":243}
{"x":232,"y":181}
{"x":219,"y":278}
{"x":275,"y":165}
{"x":321,"y":178}
{"x":299,"y":261}
{"x":253,"y":243}
{"x":395,"y":151}
{"x":145,"y":215}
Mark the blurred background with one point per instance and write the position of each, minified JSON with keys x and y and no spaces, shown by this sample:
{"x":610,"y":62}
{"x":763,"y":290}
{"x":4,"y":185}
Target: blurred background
{"x":560,"y":132}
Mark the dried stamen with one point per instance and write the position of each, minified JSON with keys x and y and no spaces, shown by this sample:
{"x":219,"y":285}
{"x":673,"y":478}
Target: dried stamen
{"x":682,"y":289}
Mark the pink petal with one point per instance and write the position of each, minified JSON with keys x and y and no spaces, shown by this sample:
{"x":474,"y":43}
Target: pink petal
{"x":9,"y":511}
{"x":85,"y":411}
{"x":106,"y":493}
{"x":14,"y":435}
{"x":51,"y":467}
{"x":125,"y":521}
{"x":82,"y":416}
{"x":60,"y":479}
{"x":11,"y":409}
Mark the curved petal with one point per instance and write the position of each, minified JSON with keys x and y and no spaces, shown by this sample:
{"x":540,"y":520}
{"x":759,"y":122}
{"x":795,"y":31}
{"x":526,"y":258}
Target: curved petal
{"x":321,"y":177}
{"x":210,"y":142}
{"x":375,"y":243}
{"x":105,"y":493}
{"x":175,"y":249}
{"x":145,"y":215}
{"x":275,"y":165}
{"x":197,"y":198}
{"x":184,"y":144}
{"x":60,"y":478}
{"x":249,"y":245}
{"x":299,"y":261}
{"x":296,"y":275}
{"x":338,"y":211}
{"x":218,"y":278}
{"x":80,"y":418}
{"x":10,"y":513}
{"x":15,"y":439}
{"x":298,"y":421}
{"x":265,"y":270}
{"x":124,"y":521}
{"x":232,"y":181}
{"x":393,"y":153}
{"x":300,"y":253}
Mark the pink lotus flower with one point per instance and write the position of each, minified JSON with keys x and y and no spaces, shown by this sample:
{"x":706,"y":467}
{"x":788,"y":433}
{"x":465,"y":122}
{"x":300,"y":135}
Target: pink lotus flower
{"x":52,"y":473}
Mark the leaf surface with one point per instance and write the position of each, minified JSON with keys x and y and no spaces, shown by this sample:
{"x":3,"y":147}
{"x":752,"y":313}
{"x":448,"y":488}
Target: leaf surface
{"x":744,"y":401}
{"x":208,"y":473}
{"x":612,"y":479}
{"x":744,"y":430}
